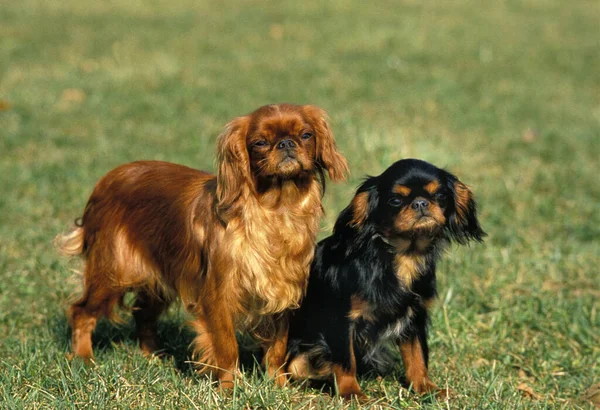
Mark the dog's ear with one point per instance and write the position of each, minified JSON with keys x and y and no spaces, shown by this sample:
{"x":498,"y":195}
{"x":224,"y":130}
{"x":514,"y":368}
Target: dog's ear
{"x":327,"y":155}
{"x":363,"y":204}
{"x":462,"y":224}
{"x":233,"y":163}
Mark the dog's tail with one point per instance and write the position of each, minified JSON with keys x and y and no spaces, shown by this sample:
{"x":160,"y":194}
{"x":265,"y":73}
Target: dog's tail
{"x":71,"y":243}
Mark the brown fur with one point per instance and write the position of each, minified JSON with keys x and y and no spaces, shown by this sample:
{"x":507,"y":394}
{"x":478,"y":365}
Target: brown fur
{"x":416,"y":369}
{"x":432,"y":187}
{"x":463,"y":197}
{"x":429,"y":303}
{"x":410,"y":220}
{"x":359,"y":209}
{"x":301,"y":368}
{"x":235,"y":247}
{"x":402,"y":190}
{"x":409,"y":268}
{"x":345,"y":379}
{"x":359,"y":308}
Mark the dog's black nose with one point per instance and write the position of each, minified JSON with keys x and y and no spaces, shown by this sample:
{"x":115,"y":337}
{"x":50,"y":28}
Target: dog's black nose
{"x":286,"y":144}
{"x":419,"y":204}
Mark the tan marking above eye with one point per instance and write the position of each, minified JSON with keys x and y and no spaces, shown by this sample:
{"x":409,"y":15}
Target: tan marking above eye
{"x":401,"y":190}
{"x":432,"y":187}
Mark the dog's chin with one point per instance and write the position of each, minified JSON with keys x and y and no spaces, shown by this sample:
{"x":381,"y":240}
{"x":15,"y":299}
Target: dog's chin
{"x":424,"y":227}
{"x":288,"y":168}
{"x":419,"y":238}
{"x":426,"y":224}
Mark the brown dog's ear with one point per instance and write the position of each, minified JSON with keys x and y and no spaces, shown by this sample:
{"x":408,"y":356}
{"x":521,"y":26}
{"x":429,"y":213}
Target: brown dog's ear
{"x":233,"y":164}
{"x":328,"y":157}
{"x":463,"y":224}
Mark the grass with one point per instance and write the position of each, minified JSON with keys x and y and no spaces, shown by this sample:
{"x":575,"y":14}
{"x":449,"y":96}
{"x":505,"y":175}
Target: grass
{"x":504,"y":94}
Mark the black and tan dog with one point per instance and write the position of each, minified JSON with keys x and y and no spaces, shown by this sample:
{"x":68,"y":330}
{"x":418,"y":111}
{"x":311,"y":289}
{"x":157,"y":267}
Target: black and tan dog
{"x":373,"y":280}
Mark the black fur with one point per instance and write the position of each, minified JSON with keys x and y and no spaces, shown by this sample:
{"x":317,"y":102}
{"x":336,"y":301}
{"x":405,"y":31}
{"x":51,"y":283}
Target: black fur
{"x":359,"y":260}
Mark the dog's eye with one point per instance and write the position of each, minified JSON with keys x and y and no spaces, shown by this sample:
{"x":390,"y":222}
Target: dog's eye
{"x":440,"y":198}
{"x":306,"y":135}
{"x":259,"y":143}
{"x":395,"y":202}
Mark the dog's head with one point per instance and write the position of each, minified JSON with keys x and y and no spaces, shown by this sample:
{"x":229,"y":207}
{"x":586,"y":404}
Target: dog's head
{"x":414,"y":200}
{"x":274,"y":143}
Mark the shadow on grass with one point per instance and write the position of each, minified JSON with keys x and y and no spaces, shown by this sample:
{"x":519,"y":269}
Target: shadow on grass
{"x":174,"y":339}
{"x":389,"y":370}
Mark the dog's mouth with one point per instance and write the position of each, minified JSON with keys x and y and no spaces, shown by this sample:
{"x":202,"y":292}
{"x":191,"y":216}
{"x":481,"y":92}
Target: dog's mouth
{"x":423,"y":225}
{"x":289,"y":158}
{"x":289,"y":165}
{"x":425,"y":222}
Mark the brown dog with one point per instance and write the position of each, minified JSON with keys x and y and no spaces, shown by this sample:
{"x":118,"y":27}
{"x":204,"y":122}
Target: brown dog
{"x":235,"y":247}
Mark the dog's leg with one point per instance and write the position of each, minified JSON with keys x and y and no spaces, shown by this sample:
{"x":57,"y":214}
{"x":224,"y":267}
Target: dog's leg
{"x":415,"y":366}
{"x":83,"y":315}
{"x":216,"y":343}
{"x":275,"y":351}
{"x":415,"y":355}
{"x":344,"y":364}
{"x":146,"y":310}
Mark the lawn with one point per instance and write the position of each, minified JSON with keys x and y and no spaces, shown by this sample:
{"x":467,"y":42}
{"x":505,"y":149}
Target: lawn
{"x":505,"y":94}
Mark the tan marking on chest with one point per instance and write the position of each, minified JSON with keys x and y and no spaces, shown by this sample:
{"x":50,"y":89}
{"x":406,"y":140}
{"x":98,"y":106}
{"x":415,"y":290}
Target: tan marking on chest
{"x":401,"y":244}
{"x":421,"y":243}
{"x":409,"y":268}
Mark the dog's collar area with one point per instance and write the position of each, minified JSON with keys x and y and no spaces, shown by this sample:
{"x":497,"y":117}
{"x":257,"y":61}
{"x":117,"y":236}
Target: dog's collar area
{"x":385,"y":240}
{"x":406,"y":245}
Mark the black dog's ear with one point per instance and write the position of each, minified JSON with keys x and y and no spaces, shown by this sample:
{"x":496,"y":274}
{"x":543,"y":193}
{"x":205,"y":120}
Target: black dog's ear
{"x":463,"y":225}
{"x":363,"y":204}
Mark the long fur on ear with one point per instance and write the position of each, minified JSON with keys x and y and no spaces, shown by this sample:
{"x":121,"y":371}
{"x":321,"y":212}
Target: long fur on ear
{"x":328,"y":157}
{"x":463,"y":225}
{"x":363,"y":204}
{"x":233,"y":164}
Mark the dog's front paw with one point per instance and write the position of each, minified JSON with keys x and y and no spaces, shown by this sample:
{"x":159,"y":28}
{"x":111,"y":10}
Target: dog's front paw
{"x":359,"y":396}
{"x":349,"y":389}
{"x":426,"y":387}
{"x":443,"y":394}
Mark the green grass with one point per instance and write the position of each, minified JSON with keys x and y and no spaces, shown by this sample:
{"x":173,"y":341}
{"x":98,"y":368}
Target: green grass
{"x":504,"y":94}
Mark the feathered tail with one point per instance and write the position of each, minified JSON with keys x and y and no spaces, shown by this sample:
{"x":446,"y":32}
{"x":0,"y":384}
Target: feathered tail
{"x":71,"y":243}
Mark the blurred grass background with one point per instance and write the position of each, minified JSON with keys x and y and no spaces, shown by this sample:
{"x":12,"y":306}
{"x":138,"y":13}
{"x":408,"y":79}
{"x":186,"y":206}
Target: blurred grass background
{"x":506,"y":94}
